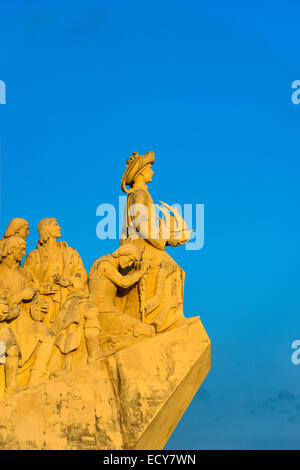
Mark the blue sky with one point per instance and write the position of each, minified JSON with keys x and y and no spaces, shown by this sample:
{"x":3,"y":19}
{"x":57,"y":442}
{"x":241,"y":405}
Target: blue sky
{"x":207,"y":86}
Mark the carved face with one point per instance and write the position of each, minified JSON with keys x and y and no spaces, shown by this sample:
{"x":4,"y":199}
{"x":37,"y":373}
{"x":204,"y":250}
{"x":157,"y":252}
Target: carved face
{"x":148,"y":173}
{"x":24,"y":232}
{"x":54,"y":229}
{"x":126,"y":260}
{"x":20,"y":252}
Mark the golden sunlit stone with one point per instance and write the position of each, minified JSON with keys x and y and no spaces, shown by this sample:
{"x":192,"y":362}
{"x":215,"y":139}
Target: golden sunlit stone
{"x":100,"y":361}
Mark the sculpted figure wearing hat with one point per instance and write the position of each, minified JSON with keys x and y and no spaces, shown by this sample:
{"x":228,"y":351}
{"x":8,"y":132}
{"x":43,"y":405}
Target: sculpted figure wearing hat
{"x":158,"y":299}
{"x":139,"y":217}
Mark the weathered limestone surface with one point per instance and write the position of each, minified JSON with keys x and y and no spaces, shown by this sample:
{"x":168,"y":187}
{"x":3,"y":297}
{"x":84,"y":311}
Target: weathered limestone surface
{"x":130,"y":400}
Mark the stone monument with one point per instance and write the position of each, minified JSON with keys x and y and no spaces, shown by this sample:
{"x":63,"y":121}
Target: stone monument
{"x":105,"y":360}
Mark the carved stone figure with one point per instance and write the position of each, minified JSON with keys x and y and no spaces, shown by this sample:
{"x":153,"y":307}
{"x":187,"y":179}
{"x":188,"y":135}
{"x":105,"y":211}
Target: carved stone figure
{"x":76,"y":315}
{"x":107,"y":274}
{"x":126,"y":361}
{"x":16,"y":227}
{"x":61,"y":278}
{"x":57,"y":269}
{"x":163,"y":286}
{"x":12,"y":350}
{"x":31,"y":334}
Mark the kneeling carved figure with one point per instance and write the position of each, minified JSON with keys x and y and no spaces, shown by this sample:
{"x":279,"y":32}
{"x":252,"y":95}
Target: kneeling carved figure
{"x":107,"y":274}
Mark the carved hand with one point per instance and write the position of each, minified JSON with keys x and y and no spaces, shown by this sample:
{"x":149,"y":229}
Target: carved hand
{"x":48,"y":289}
{"x":173,"y":242}
{"x":28,"y":293}
{"x":61,"y":281}
{"x":39,"y":309}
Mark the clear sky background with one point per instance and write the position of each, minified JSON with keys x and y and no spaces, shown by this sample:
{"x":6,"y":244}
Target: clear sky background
{"x":207,"y":86}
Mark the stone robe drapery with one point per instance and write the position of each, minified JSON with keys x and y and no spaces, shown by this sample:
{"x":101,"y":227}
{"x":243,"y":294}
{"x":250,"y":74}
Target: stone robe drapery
{"x":65,"y":261}
{"x":164,"y":282}
{"x":118,"y":329}
{"x":27,"y":331}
